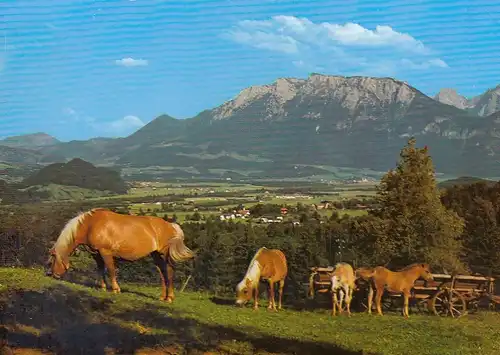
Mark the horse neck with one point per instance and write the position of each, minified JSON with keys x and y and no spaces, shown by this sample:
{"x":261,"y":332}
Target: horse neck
{"x":253,"y":273}
{"x":64,"y":250}
{"x":412,"y":274}
{"x":71,"y":236}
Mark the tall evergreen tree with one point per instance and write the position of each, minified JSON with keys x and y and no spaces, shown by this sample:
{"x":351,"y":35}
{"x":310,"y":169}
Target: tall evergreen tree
{"x":419,"y":227}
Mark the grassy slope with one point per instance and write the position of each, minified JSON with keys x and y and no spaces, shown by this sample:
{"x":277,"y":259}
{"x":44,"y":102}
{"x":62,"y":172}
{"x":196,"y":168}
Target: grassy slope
{"x":62,"y":192}
{"x":61,"y":315}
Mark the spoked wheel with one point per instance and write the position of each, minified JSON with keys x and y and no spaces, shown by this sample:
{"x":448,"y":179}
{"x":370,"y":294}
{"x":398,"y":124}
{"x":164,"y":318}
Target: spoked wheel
{"x":448,"y":303}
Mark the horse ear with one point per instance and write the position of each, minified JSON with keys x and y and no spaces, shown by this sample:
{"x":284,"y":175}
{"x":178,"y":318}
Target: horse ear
{"x":52,"y":251}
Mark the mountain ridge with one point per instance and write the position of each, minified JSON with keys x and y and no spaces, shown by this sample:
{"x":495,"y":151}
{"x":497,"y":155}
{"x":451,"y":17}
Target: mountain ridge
{"x":269,"y":130}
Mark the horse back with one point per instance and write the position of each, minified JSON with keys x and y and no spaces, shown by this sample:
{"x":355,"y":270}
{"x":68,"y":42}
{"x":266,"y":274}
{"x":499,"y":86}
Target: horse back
{"x":273,"y":263}
{"x":128,"y":236}
{"x":345,"y":273}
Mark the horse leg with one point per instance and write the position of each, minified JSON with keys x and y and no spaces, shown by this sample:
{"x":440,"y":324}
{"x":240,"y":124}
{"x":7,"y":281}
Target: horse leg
{"x":378,"y":300}
{"x":100,"y":270}
{"x":271,"y":296}
{"x":255,"y":291}
{"x":280,"y":292}
{"x":342,"y":295}
{"x":348,"y":298}
{"x":161,"y":266}
{"x":110,"y":265}
{"x":370,"y":300}
{"x":170,"y":290}
{"x":405,"y":308}
{"x":334,"y":302}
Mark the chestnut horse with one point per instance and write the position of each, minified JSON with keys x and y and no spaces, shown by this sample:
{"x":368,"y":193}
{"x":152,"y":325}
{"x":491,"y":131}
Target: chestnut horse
{"x":267,"y":264}
{"x":107,"y":234}
{"x":342,"y":279}
{"x":401,"y":281}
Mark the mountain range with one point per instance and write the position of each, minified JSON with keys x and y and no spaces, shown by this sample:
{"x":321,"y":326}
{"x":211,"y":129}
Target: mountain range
{"x":297,"y":127}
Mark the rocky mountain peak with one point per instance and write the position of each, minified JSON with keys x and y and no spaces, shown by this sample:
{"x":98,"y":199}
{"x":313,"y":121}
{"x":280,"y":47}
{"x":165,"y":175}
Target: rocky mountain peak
{"x":350,"y":92}
{"x":488,"y":103}
{"x":281,"y":91}
{"x":450,"y":97}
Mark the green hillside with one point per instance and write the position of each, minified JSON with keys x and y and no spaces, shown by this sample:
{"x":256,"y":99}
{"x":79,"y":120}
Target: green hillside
{"x":463,"y":180}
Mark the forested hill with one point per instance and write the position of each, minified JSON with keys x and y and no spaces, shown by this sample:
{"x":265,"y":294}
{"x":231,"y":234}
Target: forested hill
{"x":78,"y":172}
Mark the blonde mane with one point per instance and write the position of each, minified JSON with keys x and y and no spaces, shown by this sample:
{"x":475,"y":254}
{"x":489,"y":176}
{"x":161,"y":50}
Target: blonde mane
{"x":252,"y":266}
{"x":67,"y":236}
{"x":255,"y":258}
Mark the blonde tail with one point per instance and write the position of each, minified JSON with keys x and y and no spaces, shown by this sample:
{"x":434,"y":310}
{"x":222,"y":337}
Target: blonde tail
{"x":178,"y":251}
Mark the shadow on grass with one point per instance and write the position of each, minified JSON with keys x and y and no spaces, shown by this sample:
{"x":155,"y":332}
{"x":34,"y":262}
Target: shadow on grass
{"x":221,"y":301}
{"x":64,"y":321}
{"x":81,"y":277}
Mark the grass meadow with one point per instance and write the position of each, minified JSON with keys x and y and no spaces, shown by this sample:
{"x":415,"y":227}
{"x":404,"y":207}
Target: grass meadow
{"x":63,"y":317}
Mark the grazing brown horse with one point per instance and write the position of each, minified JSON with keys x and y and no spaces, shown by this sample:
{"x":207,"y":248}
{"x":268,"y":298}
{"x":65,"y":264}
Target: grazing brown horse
{"x":342,"y":279}
{"x":401,"y":281}
{"x":108,"y":234}
{"x":267,"y":264}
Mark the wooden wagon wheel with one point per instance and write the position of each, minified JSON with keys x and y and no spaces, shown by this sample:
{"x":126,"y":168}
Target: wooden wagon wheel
{"x":448,"y":303}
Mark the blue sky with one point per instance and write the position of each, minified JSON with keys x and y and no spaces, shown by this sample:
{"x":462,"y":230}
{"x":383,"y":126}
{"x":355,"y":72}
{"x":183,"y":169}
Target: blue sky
{"x":80,"y":69}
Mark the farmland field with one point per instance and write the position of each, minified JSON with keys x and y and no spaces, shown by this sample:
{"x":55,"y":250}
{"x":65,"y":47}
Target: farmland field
{"x":211,"y":199}
{"x":68,"y":318}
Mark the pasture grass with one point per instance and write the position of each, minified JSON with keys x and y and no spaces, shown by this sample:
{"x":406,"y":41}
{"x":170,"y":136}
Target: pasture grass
{"x":70,"y":318}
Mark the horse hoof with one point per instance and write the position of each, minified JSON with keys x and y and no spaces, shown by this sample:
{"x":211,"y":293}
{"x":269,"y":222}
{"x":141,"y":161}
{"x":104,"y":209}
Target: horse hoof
{"x":169,"y":300}
{"x":116,"y":290}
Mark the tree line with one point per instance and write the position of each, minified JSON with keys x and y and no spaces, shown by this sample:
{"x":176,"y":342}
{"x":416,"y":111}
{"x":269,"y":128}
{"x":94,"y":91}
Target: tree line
{"x":455,"y":230}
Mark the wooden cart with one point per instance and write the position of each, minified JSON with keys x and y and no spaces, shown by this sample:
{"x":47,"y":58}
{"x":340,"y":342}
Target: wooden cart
{"x":319,"y":280}
{"x":455,"y":295}
{"x":446,"y":295}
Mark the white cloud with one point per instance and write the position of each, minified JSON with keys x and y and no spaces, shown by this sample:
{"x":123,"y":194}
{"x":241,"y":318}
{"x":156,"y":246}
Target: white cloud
{"x":125,"y":124}
{"x":424,"y":65}
{"x":338,"y":47}
{"x":120,"y":127}
{"x":131,"y":62}
{"x":117,"y":128}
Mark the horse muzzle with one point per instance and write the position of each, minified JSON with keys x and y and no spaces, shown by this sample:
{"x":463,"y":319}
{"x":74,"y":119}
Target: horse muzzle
{"x":240,"y":303}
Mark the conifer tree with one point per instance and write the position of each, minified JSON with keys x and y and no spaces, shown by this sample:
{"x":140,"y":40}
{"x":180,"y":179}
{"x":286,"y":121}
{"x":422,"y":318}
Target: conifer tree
{"x":418,"y":226}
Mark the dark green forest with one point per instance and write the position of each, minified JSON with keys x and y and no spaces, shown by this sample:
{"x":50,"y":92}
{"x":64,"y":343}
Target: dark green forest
{"x":456,"y":230}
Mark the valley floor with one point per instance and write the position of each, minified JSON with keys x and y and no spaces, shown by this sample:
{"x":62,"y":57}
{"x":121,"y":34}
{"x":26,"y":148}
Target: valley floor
{"x":66,"y":318}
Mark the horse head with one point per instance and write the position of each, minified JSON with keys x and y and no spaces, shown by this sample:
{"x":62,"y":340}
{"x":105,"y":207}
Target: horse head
{"x":243,"y":292}
{"x":56,"y":266}
{"x":425,"y":272}
{"x":335,"y":282}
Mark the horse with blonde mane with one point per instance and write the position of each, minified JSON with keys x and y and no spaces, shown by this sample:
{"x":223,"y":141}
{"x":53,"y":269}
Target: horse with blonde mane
{"x":401,"y":281}
{"x":107,"y":235}
{"x":269,"y":265}
{"x":343,"y":280}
